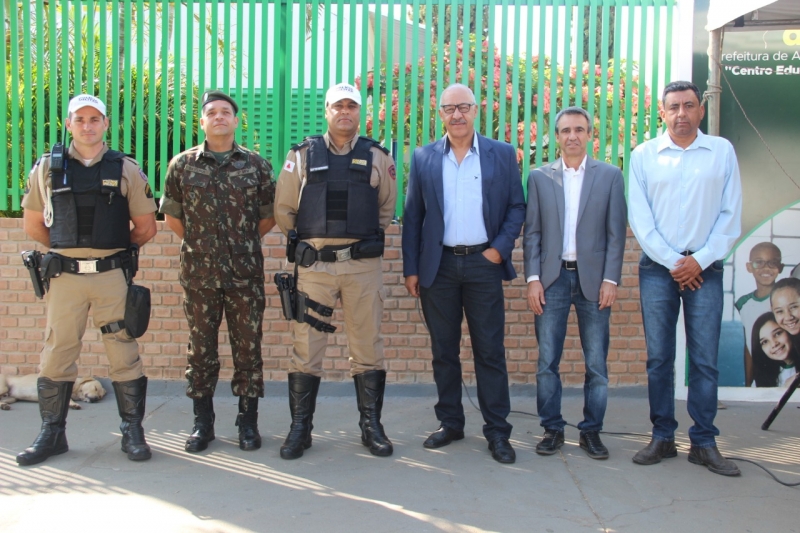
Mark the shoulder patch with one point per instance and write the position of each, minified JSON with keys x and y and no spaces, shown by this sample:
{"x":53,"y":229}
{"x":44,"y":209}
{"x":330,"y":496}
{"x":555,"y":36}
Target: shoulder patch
{"x":288,"y":166}
{"x":148,"y":191}
{"x":393,"y":172}
{"x":142,"y":174}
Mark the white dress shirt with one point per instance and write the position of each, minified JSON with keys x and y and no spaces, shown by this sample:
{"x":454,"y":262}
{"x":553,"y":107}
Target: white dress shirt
{"x":463,"y":197}
{"x":573,"y":182}
{"x":685,"y":199}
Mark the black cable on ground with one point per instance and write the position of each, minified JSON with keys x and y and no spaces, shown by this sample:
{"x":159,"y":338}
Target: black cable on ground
{"x":613,"y":433}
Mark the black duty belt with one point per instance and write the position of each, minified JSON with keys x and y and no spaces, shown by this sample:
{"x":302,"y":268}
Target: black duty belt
{"x":89,"y":266}
{"x":569,"y":265}
{"x":686,"y":253}
{"x":332,"y":254}
{"x":466,"y":250}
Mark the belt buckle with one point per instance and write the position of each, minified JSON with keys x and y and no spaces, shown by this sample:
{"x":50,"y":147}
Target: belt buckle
{"x":460,"y":250}
{"x":87,"y":267}
{"x":568,"y":263}
{"x":344,"y":254}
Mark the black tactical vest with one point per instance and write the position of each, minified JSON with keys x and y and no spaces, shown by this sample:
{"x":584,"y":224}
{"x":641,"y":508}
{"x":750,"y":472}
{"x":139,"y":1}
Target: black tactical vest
{"x":89,"y":210}
{"x":338,"y":200}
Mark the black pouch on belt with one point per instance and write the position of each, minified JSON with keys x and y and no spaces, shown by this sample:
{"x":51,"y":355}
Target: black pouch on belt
{"x":137,"y":310}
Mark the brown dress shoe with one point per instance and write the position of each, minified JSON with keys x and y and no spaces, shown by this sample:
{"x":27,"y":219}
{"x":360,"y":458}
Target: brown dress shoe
{"x":713,"y":460}
{"x":655,"y":451}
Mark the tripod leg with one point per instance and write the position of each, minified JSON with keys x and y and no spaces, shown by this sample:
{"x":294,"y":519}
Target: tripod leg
{"x":785,"y":398}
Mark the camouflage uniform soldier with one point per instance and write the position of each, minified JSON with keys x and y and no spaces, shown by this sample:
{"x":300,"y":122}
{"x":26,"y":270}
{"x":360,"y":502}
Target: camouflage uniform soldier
{"x":219,"y":198}
{"x":338,"y":191}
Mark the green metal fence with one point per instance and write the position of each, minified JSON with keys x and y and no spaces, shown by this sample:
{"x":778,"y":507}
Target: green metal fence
{"x":150,"y":61}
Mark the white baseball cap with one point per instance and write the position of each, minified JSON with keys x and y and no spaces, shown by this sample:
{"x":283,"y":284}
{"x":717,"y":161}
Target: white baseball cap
{"x":86,"y":100}
{"x":340,"y":91}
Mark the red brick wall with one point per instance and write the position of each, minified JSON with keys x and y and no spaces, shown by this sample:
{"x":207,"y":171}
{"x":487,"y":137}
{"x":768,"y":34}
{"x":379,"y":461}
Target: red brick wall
{"x":408,"y":357}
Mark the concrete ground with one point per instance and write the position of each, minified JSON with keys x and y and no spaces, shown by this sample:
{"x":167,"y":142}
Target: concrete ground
{"x":339,"y":486}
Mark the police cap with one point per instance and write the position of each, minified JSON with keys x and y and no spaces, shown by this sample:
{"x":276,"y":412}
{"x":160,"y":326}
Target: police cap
{"x":211,"y":96}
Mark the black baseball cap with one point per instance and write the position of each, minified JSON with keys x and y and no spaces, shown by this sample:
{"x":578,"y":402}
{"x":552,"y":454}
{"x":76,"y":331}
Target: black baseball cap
{"x":211,"y":96}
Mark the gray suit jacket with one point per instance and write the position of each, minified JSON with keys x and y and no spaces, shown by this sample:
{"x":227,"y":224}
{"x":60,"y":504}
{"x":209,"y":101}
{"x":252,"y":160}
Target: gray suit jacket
{"x":601,"y":230}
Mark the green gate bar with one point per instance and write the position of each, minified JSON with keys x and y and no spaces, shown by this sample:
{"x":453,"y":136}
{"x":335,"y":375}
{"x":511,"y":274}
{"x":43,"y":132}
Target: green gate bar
{"x":151,"y":60}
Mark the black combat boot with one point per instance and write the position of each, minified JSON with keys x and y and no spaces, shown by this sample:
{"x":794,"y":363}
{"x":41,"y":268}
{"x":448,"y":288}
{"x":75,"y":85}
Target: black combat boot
{"x":131,"y":404}
{"x":203,"y":430}
{"x":303,"y":390}
{"x":369,"y":394}
{"x":53,"y":405}
{"x":247,"y":421}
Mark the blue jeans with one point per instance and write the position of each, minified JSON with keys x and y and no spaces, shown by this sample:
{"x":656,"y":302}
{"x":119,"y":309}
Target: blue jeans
{"x":469,"y":285}
{"x":551,"y":329}
{"x":702,"y":309}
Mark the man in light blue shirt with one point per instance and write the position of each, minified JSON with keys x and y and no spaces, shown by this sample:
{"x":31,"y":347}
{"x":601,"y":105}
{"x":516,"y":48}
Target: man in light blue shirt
{"x":684,"y":204}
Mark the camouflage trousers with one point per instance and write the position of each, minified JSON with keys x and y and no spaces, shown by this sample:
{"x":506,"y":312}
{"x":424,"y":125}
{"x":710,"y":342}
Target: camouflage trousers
{"x":244,"y":312}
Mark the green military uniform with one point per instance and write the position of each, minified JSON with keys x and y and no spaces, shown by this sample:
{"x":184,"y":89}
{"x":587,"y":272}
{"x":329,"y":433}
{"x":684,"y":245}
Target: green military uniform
{"x":220,"y":203}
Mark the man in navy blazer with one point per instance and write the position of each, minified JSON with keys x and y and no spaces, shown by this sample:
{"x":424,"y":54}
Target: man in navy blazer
{"x":464,"y":209}
{"x":574,"y":243}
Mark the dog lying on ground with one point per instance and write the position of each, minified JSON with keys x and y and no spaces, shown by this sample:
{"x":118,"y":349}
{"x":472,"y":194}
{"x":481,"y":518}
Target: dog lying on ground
{"x":23,"y":388}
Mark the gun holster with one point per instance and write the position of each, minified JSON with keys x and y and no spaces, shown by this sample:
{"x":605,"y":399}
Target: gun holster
{"x":295,"y":304}
{"x":32,"y":259}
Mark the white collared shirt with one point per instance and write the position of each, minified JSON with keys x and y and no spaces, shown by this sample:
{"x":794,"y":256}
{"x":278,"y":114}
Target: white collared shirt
{"x":463,"y":197}
{"x":573,"y":182}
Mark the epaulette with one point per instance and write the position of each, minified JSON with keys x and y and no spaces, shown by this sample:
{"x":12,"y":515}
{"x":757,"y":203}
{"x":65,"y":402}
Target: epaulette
{"x":376,"y":144}
{"x":305,"y":142}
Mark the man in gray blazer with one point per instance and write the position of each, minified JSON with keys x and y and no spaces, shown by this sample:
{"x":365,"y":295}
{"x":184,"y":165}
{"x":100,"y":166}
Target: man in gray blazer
{"x":574,"y":241}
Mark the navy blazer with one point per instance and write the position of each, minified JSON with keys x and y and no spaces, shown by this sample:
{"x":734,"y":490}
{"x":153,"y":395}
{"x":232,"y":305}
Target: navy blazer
{"x":423,"y":218}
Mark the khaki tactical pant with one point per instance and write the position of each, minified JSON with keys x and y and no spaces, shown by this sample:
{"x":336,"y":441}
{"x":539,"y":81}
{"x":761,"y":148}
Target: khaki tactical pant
{"x":362,"y":296}
{"x":68,"y":302}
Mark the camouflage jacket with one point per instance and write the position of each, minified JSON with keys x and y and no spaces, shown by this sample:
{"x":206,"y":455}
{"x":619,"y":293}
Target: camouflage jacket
{"x":220,"y":206}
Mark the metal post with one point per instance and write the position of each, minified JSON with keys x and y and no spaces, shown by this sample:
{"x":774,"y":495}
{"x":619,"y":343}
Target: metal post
{"x":714,"y":88}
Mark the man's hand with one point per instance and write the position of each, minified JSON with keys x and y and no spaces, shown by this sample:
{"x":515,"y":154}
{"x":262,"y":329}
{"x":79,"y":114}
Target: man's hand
{"x":412,"y":286}
{"x":536,"y":297}
{"x":493,"y":255}
{"x":608,"y":294}
{"x":687,"y":273}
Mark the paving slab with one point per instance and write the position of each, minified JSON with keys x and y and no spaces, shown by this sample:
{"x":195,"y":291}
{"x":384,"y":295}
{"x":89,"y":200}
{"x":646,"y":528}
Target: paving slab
{"x":338,"y":486}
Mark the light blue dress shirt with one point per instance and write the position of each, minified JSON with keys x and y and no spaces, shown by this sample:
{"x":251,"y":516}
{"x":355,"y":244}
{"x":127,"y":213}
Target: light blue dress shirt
{"x":685,"y":199}
{"x":463,"y":197}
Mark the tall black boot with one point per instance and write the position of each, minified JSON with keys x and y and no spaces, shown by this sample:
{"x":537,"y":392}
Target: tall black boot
{"x":247,"y":421}
{"x":131,"y":404}
{"x":369,"y":394}
{"x":303,"y":390}
{"x":203,"y":430}
{"x":53,"y":406}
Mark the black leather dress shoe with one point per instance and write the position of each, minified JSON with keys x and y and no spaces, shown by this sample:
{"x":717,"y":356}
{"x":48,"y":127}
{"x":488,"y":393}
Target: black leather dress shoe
{"x":502,"y":452}
{"x":442,"y":437}
{"x":551,"y":442}
{"x":590,"y":441}
{"x":655,"y":451}
{"x":713,"y":460}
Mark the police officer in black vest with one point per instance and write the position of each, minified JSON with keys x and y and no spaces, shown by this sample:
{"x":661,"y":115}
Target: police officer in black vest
{"x":337,"y":192}
{"x":88,"y":207}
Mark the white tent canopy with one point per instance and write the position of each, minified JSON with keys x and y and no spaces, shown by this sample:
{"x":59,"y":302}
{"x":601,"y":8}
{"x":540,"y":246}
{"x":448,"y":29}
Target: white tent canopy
{"x":721,"y":12}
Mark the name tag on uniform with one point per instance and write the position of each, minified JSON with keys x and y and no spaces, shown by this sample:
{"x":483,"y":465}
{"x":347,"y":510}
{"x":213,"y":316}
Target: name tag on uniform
{"x":110,"y":183}
{"x":360,"y":162}
{"x":198,"y":170}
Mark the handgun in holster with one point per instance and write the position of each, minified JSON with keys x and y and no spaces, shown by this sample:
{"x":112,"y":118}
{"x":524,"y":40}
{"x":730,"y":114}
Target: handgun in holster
{"x":130,"y":264}
{"x":33,"y":262}
{"x":295,"y":304}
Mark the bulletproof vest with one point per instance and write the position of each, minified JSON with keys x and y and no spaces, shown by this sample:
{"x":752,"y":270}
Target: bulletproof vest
{"x":338,"y":200}
{"x":89,"y":210}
